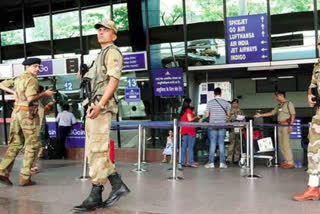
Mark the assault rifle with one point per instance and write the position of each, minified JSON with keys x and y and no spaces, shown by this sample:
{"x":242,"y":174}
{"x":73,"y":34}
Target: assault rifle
{"x":85,"y":85}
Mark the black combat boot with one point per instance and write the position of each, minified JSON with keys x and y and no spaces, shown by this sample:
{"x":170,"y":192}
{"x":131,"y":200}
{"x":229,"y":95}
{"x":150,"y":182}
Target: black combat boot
{"x":119,"y":189}
{"x":93,"y":201}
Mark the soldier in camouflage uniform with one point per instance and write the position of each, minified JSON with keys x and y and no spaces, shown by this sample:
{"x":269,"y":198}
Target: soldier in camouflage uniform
{"x":312,"y":190}
{"x":25,"y":123}
{"x":104,"y":78}
{"x":234,"y":147}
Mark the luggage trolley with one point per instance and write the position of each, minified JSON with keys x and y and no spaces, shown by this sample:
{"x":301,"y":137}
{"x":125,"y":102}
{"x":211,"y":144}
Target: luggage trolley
{"x":265,"y":146}
{"x":261,"y":147}
{"x":243,"y":155}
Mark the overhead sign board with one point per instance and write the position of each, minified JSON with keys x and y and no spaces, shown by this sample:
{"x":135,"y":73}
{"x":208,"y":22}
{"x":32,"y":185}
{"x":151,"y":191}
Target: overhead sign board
{"x":136,"y":61}
{"x":247,"y":38}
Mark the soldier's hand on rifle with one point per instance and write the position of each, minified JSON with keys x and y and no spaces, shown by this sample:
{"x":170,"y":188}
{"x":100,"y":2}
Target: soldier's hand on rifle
{"x":310,"y":100}
{"x":49,"y":93}
{"x":93,"y":111}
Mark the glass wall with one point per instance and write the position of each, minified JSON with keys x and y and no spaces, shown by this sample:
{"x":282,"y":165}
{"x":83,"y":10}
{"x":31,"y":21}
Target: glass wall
{"x":40,"y":31}
{"x":171,"y":54}
{"x":12,"y":37}
{"x":290,"y":6}
{"x":204,"y":10}
{"x":171,"y":12}
{"x":92,"y":16}
{"x":246,"y":7}
{"x":292,"y":38}
{"x":120,"y":16}
{"x":66,"y":25}
{"x":211,"y":50}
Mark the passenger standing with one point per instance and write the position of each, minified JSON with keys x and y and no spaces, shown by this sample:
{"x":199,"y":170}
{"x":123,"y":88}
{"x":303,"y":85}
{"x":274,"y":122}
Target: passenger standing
{"x":234,"y":147}
{"x":286,"y":115}
{"x":65,"y":120}
{"x":169,"y":148}
{"x":217,"y":110}
{"x":188,"y":133}
{"x":25,"y":122}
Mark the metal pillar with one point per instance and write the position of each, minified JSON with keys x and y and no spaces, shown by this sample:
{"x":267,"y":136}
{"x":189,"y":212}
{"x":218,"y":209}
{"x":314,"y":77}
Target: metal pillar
{"x":247,"y":146}
{"x":251,"y":175}
{"x":144,"y":146}
{"x":139,"y":169}
{"x":174,"y":161}
{"x":276,"y":161}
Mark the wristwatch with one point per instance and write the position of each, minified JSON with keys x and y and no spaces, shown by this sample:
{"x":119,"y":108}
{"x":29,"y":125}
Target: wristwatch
{"x":102,"y":107}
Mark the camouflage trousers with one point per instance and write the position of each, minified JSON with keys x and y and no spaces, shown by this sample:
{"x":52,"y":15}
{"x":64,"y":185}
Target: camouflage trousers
{"x":314,"y":147}
{"x":97,"y":148}
{"x":234,"y":147}
{"x":41,"y":128}
{"x":23,"y":130}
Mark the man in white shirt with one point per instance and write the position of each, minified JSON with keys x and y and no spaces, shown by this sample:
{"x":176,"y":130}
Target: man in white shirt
{"x":65,"y":120}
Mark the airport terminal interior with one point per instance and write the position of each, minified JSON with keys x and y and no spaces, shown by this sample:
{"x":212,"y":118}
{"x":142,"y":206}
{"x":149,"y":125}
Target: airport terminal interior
{"x":171,"y":50}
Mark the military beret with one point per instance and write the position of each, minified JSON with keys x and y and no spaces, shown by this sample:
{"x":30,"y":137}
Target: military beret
{"x":235,"y":101}
{"x":280,"y":93}
{"x":31,"y":61}
{"x":107,"y":24}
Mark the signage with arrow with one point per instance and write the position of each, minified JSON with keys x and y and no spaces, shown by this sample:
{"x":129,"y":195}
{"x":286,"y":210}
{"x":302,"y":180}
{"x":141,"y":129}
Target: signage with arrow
{"x":247,"y":38}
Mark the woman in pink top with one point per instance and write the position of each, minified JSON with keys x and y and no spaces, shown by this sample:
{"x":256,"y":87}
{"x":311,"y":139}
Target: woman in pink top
{"x":188,"y":133}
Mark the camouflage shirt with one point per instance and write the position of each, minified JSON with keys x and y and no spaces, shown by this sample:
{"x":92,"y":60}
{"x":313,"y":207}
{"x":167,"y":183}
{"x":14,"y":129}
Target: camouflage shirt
{"x":315,"y":80}
{"x":25,"y":85}
{"x":108,"y":63}
{"x":234,"y":113}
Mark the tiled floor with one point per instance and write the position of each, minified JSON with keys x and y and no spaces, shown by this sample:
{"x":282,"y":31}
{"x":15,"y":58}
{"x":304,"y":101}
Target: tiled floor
{"x":202,"y":191}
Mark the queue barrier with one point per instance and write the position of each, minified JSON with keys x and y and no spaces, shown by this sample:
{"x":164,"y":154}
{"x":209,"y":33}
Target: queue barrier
{"x":141,"y":127}
{"x":175,"y":125}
